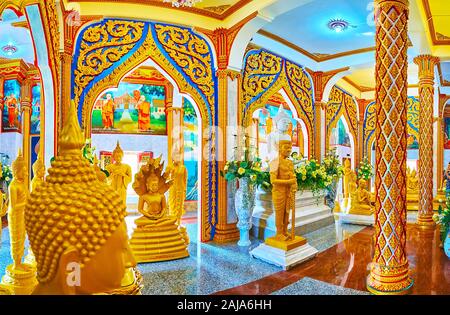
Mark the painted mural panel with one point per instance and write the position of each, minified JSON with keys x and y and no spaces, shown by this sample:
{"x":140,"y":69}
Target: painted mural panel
{"x":11,"y":107}
{"x":191,"y":149}
{"x":265,"y":127}
{"x":36,"y":110}
{"x":131,"y":108}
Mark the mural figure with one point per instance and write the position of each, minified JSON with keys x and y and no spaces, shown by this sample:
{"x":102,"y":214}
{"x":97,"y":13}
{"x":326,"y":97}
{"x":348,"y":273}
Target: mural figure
{"x":108,"y":112}
{"x":143,"y":108}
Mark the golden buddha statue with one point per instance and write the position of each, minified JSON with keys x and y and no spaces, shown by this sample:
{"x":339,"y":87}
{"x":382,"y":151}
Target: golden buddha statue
{"x":157,"y":236}
{"x":76,"y":224}
{"x":38,"y":179}
{"x":412,"y":192}
{"x":177,"y":191}
{"x":20,"y":277}
{"x":3,"y":204}
{"x":119,"y":174}
{"x":284,"y":187}
{"x":361,"y":200}
{"x":101,"y":176}
{"x":346,"y":181}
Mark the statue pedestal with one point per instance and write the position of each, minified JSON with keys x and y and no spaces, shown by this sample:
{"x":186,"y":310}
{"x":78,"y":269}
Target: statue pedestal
{"x":357,"y":219}
{"x":284,"y":254}
{"x":158,"y":240}
{"x":310,"y":214}
{"x":20,"y":281}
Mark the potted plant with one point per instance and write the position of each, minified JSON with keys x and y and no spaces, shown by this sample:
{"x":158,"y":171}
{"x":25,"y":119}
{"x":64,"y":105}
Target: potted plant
{"x":365,"y":170}
{"x":333,"y":168}
{"x":249,"y":175}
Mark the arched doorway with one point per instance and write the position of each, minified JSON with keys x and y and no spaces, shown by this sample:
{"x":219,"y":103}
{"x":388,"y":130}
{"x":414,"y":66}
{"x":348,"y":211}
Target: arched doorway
{"x":147,"y":86}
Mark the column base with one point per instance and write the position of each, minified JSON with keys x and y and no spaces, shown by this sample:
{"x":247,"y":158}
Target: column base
{"x":21,"y":280}
{"x":384,"y":280}
{"x":226,"y":233}
{"x":426,"y":222}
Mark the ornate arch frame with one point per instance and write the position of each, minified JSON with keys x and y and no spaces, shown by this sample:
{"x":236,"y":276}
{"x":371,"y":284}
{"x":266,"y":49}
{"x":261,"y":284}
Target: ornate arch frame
{"x":341,"y":103}
{"x":42,"y":15}
{"x":107,"y":50}
{"x":265,"y":74}
{"x":370,"y":122}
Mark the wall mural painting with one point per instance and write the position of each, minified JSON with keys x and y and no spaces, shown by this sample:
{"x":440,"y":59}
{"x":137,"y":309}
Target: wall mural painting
{"x":266,"y":115}
{"x":35,"y":119}
{"x":12,"y":117}
{"x":413,"y":123}
{"x":131,"y":108}
{"x":190,"y":149}
{"x":447,"y":133}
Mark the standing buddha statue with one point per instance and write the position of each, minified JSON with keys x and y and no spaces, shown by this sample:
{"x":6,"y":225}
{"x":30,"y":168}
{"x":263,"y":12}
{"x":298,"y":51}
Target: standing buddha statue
{"x":20,"y":277}
{"x":177,"y":192}
{"x":346,"y":181}
{"x":281,"y":122}
{"x":119,"y":174}
{"x":412,"y":190}
{"x":75,"y":224}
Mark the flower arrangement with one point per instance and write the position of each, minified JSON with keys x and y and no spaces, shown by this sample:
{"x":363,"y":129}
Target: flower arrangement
{"x":333,"y":165}
{"x":365,"y":169}
{"x":312,"y":175}
{"x":6,"y":174}
{"x":246,"y":169}
{"x":89,"y":154}
{"x":443,"y":218}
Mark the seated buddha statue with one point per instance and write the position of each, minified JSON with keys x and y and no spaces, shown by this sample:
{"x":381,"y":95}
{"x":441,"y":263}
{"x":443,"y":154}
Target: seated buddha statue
{"x":441,"y":197}
{"x":75,"y":224}
{"x":361,"y":200}
{"x":157,"y":236}
{"x":412,"y":192}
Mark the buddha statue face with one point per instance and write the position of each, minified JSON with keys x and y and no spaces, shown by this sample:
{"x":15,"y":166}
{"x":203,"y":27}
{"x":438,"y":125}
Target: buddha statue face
{"x":362,"y":183}
{"x":19,"y":171}
{"x":285,"y":148}
{"x":117,"y":156}
{"x":107,"y":268}
{"x":152,"y":183}
{"x":347,"y":164}
{"x":283,"y":125}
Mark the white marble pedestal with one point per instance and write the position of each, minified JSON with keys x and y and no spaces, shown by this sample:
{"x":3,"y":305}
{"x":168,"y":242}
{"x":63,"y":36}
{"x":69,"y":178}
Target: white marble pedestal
{"x":311,"y":214}
{"x":282,"y":258}
{"x":356,"y":219}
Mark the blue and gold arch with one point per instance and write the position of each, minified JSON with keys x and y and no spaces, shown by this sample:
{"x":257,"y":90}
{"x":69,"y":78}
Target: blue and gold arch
{"x":265,"y":74}
{"x":341,"y":103}
{"x":107,"y":50}
{"x":413,"y":105}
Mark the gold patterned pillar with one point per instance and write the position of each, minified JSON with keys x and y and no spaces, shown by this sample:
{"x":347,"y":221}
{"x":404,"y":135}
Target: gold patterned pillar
{"x":25,"y":106}
{"x":319,"y":108}
{"x":389,"y":270}
{"x":225,"y":231}
{"x":426,"y":65}
{"x":66,"y":64}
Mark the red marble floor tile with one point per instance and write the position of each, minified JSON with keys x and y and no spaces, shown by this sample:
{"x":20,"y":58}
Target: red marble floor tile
{"x":347,"y":264}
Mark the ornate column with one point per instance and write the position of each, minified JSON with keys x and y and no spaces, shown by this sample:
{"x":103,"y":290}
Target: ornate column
{"x":25,"y":106}
{"x":426,"y":65}
{"x":2,"y":83}
{"x":225,"y":231}
{"x":389,"y":270}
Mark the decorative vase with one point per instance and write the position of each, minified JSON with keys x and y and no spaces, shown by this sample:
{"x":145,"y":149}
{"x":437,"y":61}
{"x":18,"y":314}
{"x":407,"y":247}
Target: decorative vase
{"x":244,"y":204}
{"x":330,"y":196}
{"x":447,"y":245}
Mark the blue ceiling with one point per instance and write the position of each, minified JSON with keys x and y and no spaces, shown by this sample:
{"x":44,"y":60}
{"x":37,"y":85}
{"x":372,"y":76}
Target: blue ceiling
{"x":306,"y":26}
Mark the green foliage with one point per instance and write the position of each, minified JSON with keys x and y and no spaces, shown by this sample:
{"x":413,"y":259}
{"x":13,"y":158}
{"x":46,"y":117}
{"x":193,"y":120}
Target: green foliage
{"x":365,"y":169}
{"x":245,"y":169}
{"x":6,"y":174}
{"x":443,"y":218}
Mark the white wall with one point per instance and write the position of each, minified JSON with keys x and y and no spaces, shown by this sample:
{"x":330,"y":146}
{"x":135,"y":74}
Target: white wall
{"x":136,"y":143}
{"x":10,"y":142}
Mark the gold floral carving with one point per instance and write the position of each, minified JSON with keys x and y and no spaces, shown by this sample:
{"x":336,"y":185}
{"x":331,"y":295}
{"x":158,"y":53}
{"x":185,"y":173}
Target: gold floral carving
{"x":102,"y":46}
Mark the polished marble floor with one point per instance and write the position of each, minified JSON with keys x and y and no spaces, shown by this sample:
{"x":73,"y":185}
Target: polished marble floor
{"x":340,"y":268}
